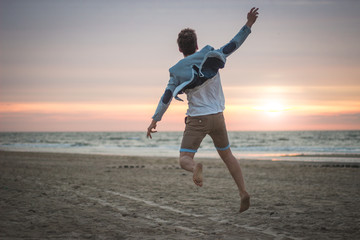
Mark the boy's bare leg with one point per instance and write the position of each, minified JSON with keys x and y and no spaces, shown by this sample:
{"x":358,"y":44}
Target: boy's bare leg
{"x":235,"y":171}
{"x":187,"y":162}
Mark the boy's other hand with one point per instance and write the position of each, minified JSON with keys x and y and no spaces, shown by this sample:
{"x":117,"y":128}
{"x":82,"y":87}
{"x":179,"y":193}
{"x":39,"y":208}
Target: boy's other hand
{"x":150,"y":129}
{"x":252,"y":16}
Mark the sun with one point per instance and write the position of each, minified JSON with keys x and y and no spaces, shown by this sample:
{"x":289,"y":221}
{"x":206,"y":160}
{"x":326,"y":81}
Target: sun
{"x":272,"y":107}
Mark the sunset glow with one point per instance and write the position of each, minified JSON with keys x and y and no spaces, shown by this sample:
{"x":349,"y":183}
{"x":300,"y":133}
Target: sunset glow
{"x":272,"y":106}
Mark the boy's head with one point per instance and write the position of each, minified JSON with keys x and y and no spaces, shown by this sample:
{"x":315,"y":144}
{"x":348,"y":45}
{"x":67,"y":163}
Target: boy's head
{"x":187,"y":41}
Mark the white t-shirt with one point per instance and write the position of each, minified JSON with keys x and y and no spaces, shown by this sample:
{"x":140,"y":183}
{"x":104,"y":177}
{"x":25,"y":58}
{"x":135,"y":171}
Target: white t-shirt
{"x":206,"y":99}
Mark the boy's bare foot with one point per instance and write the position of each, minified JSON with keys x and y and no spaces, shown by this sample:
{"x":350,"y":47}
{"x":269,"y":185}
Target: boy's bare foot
{"x":197,"y":176}
{"x":245,"y":202}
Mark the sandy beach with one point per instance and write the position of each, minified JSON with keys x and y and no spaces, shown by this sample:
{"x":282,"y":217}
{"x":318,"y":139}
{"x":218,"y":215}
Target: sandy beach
{"x":78,"y":196}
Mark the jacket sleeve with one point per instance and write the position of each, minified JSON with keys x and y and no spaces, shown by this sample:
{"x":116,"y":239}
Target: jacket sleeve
{"x":236,"y":42}
{"x":165,"y":100}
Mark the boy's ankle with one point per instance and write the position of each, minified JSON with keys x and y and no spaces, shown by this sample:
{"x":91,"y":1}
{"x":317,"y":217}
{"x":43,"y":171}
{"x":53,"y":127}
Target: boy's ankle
{"x":243,"y":194}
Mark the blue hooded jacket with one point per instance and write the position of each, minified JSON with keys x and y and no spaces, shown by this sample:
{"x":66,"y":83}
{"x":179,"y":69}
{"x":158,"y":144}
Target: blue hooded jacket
{"x":197,"y":68}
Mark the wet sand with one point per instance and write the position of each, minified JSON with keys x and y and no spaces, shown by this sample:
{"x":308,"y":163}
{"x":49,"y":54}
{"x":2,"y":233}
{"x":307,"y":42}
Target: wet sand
{"x":74,"y":196}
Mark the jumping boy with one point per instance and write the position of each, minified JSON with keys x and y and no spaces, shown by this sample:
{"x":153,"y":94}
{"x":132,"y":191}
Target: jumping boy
{"x":197,"y":75}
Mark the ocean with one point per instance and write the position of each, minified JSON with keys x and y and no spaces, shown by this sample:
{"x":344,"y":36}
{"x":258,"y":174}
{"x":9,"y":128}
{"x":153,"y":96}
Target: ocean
{"x":317,"y":146}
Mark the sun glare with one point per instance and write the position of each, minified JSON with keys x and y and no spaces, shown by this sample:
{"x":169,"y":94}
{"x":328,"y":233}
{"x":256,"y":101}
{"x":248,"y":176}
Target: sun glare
{"x":273,"y":107}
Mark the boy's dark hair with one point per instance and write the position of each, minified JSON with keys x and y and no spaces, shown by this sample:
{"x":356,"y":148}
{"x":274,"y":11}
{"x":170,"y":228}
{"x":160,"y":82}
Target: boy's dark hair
{"x":187,"y":41}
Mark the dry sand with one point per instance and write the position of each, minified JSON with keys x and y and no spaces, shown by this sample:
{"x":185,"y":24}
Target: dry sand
{"x":73,"y":196}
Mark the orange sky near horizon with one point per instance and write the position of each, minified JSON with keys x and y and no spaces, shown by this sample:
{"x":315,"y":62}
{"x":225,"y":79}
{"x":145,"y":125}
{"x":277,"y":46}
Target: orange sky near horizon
{"x":95,"y":66}
{"x":268,"y":113}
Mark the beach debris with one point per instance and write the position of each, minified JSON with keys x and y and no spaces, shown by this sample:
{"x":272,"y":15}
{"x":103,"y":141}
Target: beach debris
{"x":131,"y":166}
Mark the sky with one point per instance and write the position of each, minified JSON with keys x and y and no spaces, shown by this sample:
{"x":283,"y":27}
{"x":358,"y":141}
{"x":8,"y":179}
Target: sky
{"x":94,"y":65}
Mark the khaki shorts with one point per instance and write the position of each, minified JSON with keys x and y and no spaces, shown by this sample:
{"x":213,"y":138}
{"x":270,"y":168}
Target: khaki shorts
{"x":198,"y":127}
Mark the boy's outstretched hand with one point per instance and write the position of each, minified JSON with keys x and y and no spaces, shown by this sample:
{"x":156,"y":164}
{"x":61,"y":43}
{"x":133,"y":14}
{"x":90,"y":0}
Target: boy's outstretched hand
{"x":252,"y":16}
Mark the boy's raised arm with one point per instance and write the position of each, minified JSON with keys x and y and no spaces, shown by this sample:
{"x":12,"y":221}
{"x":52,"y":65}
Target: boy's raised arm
{"x":241,"y":36}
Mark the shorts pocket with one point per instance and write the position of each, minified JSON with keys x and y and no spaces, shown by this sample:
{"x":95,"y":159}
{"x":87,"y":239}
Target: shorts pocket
{"x":196,"y":123}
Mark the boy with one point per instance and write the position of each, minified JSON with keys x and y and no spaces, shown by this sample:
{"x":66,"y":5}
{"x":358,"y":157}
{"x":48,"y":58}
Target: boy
{"x":197,"y":75}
